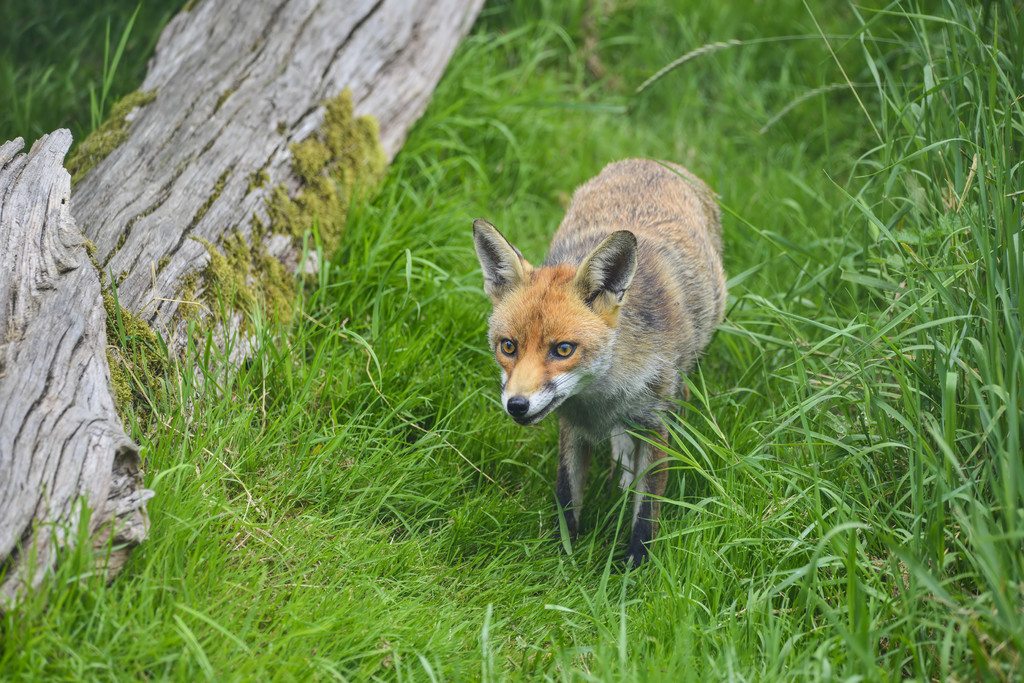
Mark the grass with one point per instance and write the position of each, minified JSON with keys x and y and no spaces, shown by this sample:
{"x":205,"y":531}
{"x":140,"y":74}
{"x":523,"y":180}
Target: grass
{"x":63,"y":63}
{"x":847,"y":493}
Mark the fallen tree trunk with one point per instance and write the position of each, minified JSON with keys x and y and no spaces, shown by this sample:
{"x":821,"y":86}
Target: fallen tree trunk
{"x":241,"y":136}
{"x":202,"y":184}
{"x":61,"y":442}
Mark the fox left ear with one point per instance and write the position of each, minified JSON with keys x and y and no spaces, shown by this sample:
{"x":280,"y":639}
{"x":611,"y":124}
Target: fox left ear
{"x":605,"y":275}
{"x":504,"y":267}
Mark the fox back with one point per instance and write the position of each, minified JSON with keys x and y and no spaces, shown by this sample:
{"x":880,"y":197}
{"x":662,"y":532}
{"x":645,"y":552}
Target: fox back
{"x":626,"y":300}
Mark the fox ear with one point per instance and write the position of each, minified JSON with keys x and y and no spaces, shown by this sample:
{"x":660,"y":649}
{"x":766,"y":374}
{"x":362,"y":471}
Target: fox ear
{"x":604,"y":276}
{"x":504,"y":267}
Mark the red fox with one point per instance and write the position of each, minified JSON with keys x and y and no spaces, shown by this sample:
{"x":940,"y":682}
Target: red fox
{"x":627,"y":299}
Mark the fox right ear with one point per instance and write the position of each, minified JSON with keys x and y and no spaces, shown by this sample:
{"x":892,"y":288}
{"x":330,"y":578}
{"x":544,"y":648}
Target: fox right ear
{"x":504,"y":267}
{"x":605,"y":275}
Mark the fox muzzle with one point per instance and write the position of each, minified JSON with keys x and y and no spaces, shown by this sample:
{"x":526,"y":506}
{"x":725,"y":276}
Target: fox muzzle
{"x":528,"y":410}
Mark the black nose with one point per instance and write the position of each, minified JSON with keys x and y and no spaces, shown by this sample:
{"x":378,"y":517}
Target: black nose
{"x":518,"y":406}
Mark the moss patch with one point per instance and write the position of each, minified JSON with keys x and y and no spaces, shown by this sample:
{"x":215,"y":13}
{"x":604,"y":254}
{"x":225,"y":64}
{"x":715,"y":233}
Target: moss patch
{"x":136,"y":358}
{"x":258,"y":179}
{"x":344,"y":156}
{"x":108,"y":137}
{"x":90,"y":251}
{"x":239,"y":274}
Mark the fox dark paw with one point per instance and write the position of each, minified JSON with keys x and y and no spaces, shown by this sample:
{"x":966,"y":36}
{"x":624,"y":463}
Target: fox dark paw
{"x":637,"y":555}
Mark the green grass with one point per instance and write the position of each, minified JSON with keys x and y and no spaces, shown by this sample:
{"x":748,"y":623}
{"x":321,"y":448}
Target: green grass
{"x":847,"y":493}
{"x":63,"y":63}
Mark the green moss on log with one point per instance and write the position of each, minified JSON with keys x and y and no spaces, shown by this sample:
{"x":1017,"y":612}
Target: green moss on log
{"x":258,"y":179}
{"x":108,"y":137}
{"x":136,"y":358}
{"x":238,"y":274}
{"x":343,"y":157}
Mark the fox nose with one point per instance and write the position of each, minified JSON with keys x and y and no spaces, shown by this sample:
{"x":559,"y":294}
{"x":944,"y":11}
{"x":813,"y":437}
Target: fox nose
{"x":518,"y":406}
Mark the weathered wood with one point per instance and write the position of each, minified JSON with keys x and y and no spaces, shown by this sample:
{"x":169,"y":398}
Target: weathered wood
{"x":236,"y":83}
{"x":234,"y":87}
{"x":61,"y":443}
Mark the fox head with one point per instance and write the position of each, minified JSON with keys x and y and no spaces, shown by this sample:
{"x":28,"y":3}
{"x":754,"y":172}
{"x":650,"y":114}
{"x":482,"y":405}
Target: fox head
{"x":553,"y":328}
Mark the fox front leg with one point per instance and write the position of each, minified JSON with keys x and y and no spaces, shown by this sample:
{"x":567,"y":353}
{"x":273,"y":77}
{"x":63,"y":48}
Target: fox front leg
{"x":623,"y":465}
{"x":573,"y":463}
{"x":649,"y":487}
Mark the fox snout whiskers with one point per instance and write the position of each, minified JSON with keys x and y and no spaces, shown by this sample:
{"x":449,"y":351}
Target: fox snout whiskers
{"x":525,"y":411}
{"x":528,"y":410}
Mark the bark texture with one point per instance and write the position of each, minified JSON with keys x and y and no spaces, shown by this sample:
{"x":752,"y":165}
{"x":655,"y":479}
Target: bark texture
{"x":183,"y":168}
{"x":236,"y":83}
{"x":61,"y":442}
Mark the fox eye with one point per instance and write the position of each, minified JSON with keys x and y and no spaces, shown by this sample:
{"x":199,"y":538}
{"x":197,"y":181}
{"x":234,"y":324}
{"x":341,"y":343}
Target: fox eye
{"x":508,"y":347}
{"x":564,"y":349}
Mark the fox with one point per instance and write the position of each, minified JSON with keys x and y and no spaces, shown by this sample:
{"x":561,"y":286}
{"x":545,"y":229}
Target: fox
{"x":624,"y":304}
